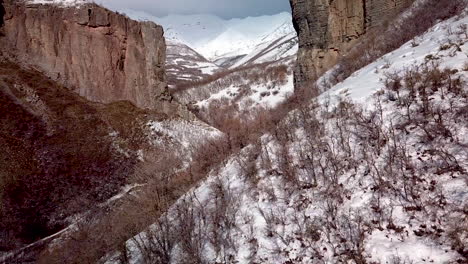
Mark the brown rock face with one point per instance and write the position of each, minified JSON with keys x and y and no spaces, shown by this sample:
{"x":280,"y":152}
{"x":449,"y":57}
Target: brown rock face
{"x":102,"y":55}
{"x":327,"y":28}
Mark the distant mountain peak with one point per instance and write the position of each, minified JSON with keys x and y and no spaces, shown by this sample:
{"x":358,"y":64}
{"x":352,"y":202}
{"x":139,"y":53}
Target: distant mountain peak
{"x":214,"y":37}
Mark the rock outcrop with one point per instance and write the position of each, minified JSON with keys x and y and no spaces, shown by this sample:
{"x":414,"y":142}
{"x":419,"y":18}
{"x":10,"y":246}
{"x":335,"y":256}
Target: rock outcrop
{"x":102,"y":55}
{"x":328,"y":28}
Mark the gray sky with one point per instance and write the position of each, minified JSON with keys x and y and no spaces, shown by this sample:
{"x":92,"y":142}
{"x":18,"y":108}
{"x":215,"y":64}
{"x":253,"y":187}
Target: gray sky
{"x":222,"y":8}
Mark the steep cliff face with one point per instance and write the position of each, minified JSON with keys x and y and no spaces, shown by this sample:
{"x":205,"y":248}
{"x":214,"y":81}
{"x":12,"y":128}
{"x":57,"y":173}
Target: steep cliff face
{"x":102,"y":55}
{"x":328,"y":28}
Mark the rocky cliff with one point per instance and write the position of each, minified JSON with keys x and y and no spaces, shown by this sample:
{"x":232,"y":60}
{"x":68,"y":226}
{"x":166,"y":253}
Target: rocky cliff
{"x":102,"y":55}
{"x":328,"y":28}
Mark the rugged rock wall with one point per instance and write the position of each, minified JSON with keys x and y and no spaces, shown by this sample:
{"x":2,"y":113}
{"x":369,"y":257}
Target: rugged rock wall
{"x":102,"y":55}
{"x":327,"y":28}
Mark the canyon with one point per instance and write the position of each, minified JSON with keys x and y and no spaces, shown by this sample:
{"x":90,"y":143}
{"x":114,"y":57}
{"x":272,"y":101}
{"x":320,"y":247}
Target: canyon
{"x":130,"y":138}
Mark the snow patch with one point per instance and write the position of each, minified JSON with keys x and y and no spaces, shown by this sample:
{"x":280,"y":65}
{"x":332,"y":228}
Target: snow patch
{"x":66,"y":3}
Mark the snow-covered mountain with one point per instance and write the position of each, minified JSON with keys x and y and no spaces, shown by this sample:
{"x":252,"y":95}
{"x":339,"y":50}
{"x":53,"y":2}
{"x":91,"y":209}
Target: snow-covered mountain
{"x":222,"y":44}
{"x":214,"y":37}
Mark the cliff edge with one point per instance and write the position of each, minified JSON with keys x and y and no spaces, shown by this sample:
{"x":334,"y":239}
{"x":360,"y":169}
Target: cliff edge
{"x":101,"y":55}
{"x":328,"y":28}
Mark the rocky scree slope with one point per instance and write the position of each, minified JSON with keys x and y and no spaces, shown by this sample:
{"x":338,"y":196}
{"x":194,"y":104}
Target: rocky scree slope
{"x":102,"y":55}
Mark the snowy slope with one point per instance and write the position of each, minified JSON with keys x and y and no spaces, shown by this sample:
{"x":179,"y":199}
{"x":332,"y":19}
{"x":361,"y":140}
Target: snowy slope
{"x":185,"y":64}
{"x":248,"y":94}
{"x":247,"y":89}
{"x":368,"y":80}
{"x":283,"y":47}
{"x":240,"y":37}
{"x":323,"y":188}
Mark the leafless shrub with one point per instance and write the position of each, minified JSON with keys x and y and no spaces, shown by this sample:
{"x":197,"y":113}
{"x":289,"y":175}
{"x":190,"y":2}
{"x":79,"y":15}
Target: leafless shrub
{"x":222,"y":219}
{"x":400,"y":260}
{"x":190,"y":231}
{"x":465,"y":66}
{"x":458,"y":235}
{"x":156,"y":244}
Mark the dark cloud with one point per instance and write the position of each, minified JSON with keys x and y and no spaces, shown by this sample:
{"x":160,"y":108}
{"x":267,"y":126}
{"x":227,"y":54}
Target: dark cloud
{"x":222,"y":8}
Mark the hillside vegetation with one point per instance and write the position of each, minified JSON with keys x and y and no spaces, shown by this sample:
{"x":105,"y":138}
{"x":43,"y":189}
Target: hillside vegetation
{"x":330,"y":180}
{"x":367,"y":164}
{"x":58,"y":158}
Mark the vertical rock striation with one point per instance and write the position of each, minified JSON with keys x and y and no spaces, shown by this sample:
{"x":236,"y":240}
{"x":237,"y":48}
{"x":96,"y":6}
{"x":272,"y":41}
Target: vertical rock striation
{"x":327,"y":28}
{"x":102,"y":55}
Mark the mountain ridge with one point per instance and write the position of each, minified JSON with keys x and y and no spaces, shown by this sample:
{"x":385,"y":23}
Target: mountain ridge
{"x":214,"y":37}
{"x":216,"y":45}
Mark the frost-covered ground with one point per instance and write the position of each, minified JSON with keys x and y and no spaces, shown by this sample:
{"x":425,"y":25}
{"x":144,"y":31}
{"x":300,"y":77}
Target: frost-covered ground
{"x":441,"y":44}
{"x":185,"y":64}
{"x":262,"y":86}
{"x":180,"y":135}
{"x":267,"y":95}
{"x":380,"y":180}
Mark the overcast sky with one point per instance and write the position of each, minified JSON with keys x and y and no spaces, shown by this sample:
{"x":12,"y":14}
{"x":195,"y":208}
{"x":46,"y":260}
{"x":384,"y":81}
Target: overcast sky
{"x":222,"y":8}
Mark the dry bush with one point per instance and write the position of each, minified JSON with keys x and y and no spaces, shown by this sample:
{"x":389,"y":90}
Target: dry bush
{"x":222,"y":220}
{"x":429,"y":106}
{"x":190,"y":226}
{"x":108,"y":229}
{"x":216,"y":76}
{"x":420,"y":85}
{"x":329,"y":156}
{"x":273,"y":73}
{"x":458,"y":235}
{"x":156,"y":244}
